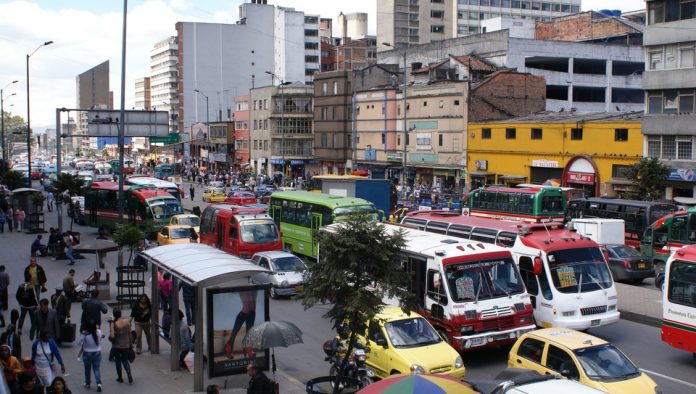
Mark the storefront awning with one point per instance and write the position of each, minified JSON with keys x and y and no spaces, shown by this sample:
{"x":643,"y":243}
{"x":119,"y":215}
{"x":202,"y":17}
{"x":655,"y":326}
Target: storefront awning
{"x":513,"y":177}
{"x":475,"y":173}
{"x":620,"y":181}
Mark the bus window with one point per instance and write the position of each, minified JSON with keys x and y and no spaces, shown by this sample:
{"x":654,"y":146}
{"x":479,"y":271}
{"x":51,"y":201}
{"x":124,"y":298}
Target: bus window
{"x":551,"y":204}
{"x":435,"y":287}
{"x":506,"y":239}
{"x":460,"y":231}
{"x":682,"y":290}
{"x":417,"y":223}
{"x":207,"y":224}
{"x":288,"y":213}
{"x":528,"y":277}
{"x":258,"y":231}
{"x":679,"y":230}
{"x":486,"y":235}
{"x":545,"y":287}
{"x":660,"y":211}
{"x":233,"y":229}
{"x":437,"y":227}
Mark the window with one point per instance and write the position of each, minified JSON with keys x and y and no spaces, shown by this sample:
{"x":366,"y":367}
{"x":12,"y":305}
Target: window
{"x":423,"y":141}
{"x":510,"y":133}
{"x":435,"y":289}
{"x":655,"y":58}
{"x":560,"y":361}
{"x":686,"y":57}
{"x":335,"y":87}
{"x":576,"y":134}
{"x":681,"y":278}
{"x":437,"y":14}
{"x":686,"y":101}
{"x":654,"y":103}
{"x":425,"y":103}
{"x":456,"y":102}
{"x":485,"y":134}
{"x":536,"y":134}
{"x":324,"y":88}
{"x":384,"y":138}
{"x":620,"y":134}
{"x":531,"y":349}
{"x":684,"y":146}
{"x":439,"y":139}
{"x":688,"y":9}
{"x":437,"y":29}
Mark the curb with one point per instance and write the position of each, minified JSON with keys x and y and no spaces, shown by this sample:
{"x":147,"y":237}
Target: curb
{"x":642,"y":319}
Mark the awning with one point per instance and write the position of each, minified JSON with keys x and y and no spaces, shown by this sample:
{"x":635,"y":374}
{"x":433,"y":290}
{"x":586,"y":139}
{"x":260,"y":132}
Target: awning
{"x":685,"y":200}
{"x":476,"y":173}
{"x":620,"y":181}
{"x":513,"y":177}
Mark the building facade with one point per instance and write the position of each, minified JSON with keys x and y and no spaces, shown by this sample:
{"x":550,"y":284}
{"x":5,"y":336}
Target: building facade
{"x":332,"y":121}
{"x":584,"y":151}
{"x":92,"y":93}
{"x":670,"y":84}
{"x":403,"y":23}
{"x":241,"y":132}
{"x":312,"y":51}
{"x":164,"y":58}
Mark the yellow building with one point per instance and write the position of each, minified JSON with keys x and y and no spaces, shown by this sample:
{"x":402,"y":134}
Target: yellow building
{"x":586,"y":151}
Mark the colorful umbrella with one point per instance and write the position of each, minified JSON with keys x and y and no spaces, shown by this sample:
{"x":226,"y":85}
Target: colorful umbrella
{"x":421,"y":384}
{"x":552,"y":182}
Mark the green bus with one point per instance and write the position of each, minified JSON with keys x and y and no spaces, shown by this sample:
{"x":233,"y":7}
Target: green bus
{"x":299,"y":214}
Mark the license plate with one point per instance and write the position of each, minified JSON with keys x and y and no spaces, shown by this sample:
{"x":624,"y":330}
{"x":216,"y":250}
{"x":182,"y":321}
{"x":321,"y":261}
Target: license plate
{"x":595,"y":323}
{"x":501,"y":337}
{"x":299,"y":288}
{"x":641,"y":266}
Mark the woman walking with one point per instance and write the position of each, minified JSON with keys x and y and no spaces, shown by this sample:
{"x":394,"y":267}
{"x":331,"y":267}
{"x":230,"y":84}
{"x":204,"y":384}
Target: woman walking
{"x":44,"y":352}
{"x":141,"y":311}
{"x":91,"y":353}
{"x":119,"y":334}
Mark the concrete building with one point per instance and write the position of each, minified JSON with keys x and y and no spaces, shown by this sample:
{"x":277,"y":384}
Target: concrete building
{"x":241,"y":132}
{"x":349,"y":54}
{"x":325,"y":29}
{"x":143,"y":102}
{"x":587,"y":76}
{"x":606,"y":27}
{"x":332,"y":121}
{"x":411,"y":22}
{"x":281,"y":133}
{"x":92,"y":93}
{"x":353,"y":26}
{"x":164,"y":96}
{"x":670,"y":84}
{"x":312,"y":51}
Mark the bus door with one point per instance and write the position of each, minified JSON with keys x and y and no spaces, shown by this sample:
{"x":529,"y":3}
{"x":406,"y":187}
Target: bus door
{"x":416,"y":268}
{"x":276,"y":214}
{"x":221,"y":232}
{"x":316,"y":224}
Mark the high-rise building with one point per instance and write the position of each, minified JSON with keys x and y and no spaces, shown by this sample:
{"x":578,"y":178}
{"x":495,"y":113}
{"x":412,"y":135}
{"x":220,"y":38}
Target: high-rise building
{"x":164,"y":96}
{"x":312,"y":51}
{"x":669,"y":81}
{"x":92,"y":93}
{"x":142,"y":93}
{"x":325,"y":29}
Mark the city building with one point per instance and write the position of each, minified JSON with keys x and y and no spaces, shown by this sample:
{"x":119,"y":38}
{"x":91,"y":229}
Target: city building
{"x":402,"y":23}
{"x":670,"y":83}
{"x":241,"y":132}
{"x":325,"y":29}
{"x":312,"y":50}
{"x":142,"y":102}
{"x":92,"y":93}
{"x":164,"y":96}
{"x":588,"y":151}
{"x":353,"y":26}
{"x":332,"y":121}
{"x":281,"y":130}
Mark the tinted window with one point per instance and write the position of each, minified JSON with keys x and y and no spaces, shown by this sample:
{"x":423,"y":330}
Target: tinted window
{"x":559,"y":361}
{"x":484,"y":235}
{"x":682,"y":277}
{"x":437,"y":227}
{"x":531,"y":349}
{"x":207,"y":225}
{"x":460,"y":231}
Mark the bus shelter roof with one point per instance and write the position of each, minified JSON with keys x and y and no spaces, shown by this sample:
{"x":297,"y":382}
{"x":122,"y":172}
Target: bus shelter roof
{"x":198,"y":264}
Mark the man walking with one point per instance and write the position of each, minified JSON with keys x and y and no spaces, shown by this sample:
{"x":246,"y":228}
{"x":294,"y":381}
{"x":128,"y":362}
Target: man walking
{"x":46,"y":319}
{"x":20,"y":216}
{"x":49,"y":201}
{"x":27,"y":302}
{"x":35,"y":275}
{"x":192,"y":191}
{"x":3,"y":219}
{"x":69,"y":285}
{"x":91,"y":309}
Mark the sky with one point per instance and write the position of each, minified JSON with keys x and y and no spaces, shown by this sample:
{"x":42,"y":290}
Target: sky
{"x":87,"y":32}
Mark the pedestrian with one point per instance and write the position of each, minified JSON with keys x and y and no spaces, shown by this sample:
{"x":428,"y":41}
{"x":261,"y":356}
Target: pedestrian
{"x":35,"y":275}
{"x":10,"y":338}
{"x":58,"y":386}
{"x":4,"y":286}
{"x":92,"y":309}
{"x":141,"y":312}
{"x":9,"y":214}
{"x":3,"y":219}
{"x":189,"y":294}
{"x":90,"y":349}
{"x":10,"y":365}
{"x":212,"y":389}
{"x":44,"y":353}
{"x":37,"y":248}
{"x":49,"y":201}
{"x":165,"y":287}
{"x":69,"y":241}
{"x":27,"y":299}
{"x":28,"y":384}
{"x":69,"y":285}
{"x":119,"y":334}
{"x":259,"y":382}
{"x":46,"y":319}
{"x":19,"y":219}
{"x":185,"y":341}
{"x":61,"y":304}
{"x":192,"y":191}
{"x":53,"y":242}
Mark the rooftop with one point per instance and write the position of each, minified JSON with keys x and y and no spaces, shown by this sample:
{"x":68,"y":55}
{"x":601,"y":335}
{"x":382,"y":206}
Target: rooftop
{"x":572,"y":116}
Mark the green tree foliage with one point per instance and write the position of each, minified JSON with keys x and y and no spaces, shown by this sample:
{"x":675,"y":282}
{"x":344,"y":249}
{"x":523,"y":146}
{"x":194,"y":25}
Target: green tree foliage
{"x":15,"y":133}
{"x":128,"y":236}
{"x":648,"y":176}
{"x":9,"y":178}
{"x":358,"y":267}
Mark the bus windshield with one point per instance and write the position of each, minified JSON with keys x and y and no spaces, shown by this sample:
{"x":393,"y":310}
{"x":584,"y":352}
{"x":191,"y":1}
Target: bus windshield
{"x":483,"y":280}
{"x":579,"y":270}
{"x":163,"y":208}
{"x":258,"y":231}
{"x":344,"y":211}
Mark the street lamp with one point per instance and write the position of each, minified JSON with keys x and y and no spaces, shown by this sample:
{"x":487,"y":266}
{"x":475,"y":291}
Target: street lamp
{"x":29,"y":112}
{"x":405,"y":128}
{"x":207,"y":121}
{"x":2,"y":117}
{"x":282,"y":116}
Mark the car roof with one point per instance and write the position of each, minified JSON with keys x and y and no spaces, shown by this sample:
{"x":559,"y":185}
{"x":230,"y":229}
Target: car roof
{"x":568,"y":338}
{"x":394,"y":313}
{"x":553,"y":387}
{"x":275,"y":254}
{"x":177,"y":226}
{"x":184,"y":215}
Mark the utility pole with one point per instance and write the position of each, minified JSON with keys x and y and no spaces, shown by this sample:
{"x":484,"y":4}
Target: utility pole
{"x":29,"y":112}
{"x":122,"y":120}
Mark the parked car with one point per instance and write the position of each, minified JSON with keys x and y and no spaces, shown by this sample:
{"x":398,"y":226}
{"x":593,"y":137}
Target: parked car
{"x":241,"y":197}
{"x":186,"y":219}
{"x":628,"y":264}
{"x":264,"y":190}
{"x":174,"y":235}
{"x":525,"y":381}
{"x":407,"y":343}
{"x":286,"y":272}
{"x":214,"y":194}
{"x":578,"y":356}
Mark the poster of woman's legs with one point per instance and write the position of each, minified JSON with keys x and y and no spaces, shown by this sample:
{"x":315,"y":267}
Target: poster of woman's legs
{"x":234,"y":312}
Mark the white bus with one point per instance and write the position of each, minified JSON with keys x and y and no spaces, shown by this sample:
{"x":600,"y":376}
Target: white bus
{"x":103,"y":172}
{"x":679,"y":300}
{"x":565,"y":273}
{"x":170,"y":187}
{"x":471,"y":292}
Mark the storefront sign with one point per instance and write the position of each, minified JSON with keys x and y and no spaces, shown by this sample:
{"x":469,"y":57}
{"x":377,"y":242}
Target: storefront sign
{"x":296,"y":162}
{"x":221,"y":157}
{"x":682,"y":174}
{"x":545,"y":163}
{"x":580,"y":177}
{"x":277,"y":161}
{"x":481,"y":164}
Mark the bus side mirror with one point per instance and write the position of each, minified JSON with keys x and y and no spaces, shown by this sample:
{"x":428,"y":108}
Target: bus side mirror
{"x":537,"y":268}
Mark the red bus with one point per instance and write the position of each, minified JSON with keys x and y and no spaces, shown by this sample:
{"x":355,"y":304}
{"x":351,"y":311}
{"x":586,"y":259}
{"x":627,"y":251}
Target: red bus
{"x":238,"y":230}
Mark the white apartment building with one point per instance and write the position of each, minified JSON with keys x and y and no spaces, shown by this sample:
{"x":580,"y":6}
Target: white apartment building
{"x":164,"y":96}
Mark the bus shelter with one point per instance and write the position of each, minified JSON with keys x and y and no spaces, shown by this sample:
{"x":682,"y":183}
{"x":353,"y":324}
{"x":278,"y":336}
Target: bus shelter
{"x":201,"y":266}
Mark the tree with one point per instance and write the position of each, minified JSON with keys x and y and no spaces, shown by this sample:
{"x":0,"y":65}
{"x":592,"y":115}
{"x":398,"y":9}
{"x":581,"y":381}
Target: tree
{"x":648,"y":176}
{"x":65,"y":188}
{"x":11,"y":179}
{"x":358,"y":267}
{"x":15,"y":133}
{"x":129,"y":236}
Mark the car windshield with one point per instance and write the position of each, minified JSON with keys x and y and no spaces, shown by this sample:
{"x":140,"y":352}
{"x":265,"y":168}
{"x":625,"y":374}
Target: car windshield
{"x":192,"y":221}
{"x":288,"y":264}
{"x":483,"y":279}
{"x":258,"y":231}
{"x":625,"y":251}
{"x":411,"y":332}
{"x":179,"y":233}
{"x":606,"y":362}
{"x":344,"y":211}
{"x":579,"y":270}
{"x":163,"y":208}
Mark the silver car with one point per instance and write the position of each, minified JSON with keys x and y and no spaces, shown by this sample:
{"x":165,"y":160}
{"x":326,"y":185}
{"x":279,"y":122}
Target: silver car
{"x":286,"y":273}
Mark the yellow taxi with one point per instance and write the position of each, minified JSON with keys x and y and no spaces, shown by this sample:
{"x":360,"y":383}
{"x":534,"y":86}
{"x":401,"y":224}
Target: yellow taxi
{"x":407,"y":343}
{"x":214,"y":194}
{"x":578,"y":356}
{"x":174,"y":235}
{"x":186,"y":219}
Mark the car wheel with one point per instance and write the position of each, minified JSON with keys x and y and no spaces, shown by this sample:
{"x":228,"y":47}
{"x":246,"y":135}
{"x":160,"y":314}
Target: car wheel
{"x":365,"y":381}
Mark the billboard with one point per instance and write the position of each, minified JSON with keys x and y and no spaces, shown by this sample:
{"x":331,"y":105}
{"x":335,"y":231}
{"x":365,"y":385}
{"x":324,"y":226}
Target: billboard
{"x":138,"y":123}
{"x":232,"y":312}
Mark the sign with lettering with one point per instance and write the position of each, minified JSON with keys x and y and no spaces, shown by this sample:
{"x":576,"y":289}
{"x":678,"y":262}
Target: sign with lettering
{"x":580,"y":177}
{"x":482,"y":164}
{"x":545,"y":163}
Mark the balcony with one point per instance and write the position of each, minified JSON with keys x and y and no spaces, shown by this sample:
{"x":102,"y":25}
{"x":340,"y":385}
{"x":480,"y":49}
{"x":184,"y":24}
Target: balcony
{"x":292,"y":151}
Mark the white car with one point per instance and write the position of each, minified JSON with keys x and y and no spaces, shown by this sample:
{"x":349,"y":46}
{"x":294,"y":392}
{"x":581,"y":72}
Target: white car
{"x":286,"y":273}
{"x":525,"y":381}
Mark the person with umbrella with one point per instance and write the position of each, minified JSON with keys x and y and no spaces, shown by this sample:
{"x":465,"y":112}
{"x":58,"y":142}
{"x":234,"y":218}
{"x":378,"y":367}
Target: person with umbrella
{"x":258,"y":382}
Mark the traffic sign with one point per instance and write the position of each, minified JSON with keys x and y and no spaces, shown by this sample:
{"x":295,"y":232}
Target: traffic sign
{"x":172,"y":138}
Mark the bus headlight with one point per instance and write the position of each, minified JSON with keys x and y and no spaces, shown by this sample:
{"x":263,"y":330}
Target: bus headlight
{"x":415,"y":368}
{"x":458,"y":363}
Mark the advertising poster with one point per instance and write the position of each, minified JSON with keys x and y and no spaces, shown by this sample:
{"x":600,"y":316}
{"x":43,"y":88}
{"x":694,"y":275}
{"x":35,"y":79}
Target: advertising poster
{"x":231,"y":313}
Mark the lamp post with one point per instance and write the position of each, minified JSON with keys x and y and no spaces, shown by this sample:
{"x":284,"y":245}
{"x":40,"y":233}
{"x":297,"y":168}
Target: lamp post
{"x":207,"y":122}
{"x":29,"y":112}
{"x":2,"y":117}
{"x":282,"y":113}
{"x":405,"y":126}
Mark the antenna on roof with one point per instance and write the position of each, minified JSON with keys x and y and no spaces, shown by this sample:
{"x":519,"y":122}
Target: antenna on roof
{"x":547,"y":231}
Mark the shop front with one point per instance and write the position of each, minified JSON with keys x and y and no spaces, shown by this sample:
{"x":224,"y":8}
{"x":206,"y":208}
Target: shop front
{"x":680,"y":183}
{"x":542,"y":170}
{"x":581,"y":173}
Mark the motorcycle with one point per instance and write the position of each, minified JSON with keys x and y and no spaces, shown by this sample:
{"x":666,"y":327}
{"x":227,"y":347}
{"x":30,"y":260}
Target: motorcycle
{"x":356,"y":370}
